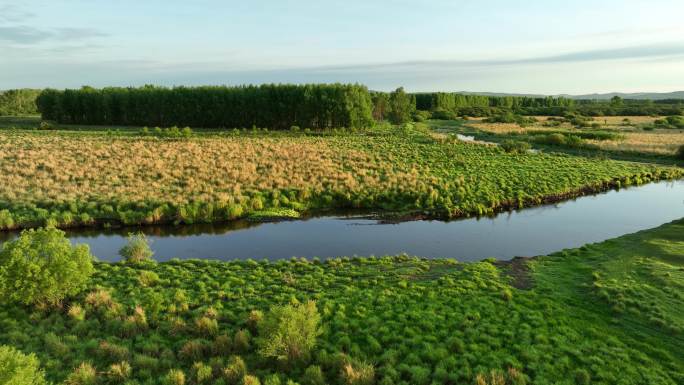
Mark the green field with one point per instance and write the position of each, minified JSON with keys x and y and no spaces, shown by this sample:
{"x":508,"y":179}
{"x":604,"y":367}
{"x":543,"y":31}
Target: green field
{"x":80,"y":176}
{"x":608,"y":313}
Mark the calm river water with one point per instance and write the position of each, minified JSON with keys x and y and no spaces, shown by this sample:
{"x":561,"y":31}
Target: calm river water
{"x":527,"y":232}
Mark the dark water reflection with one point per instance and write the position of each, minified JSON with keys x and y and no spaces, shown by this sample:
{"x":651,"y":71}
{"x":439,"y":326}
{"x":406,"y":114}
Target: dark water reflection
{"x":527,"y":232}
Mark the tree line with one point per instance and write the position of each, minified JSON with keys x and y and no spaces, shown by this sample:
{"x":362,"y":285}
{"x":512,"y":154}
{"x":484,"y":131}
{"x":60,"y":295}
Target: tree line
{"x":275,"y":106}
{"x":282,"y":106}
{"x":481,"y":105}
{"x":18,"y":101}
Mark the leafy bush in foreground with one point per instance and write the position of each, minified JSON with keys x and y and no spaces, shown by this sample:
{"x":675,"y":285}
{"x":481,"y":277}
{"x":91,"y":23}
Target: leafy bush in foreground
{"x":42,"y":267}
{"x":17,"y":368}
{"x":289,"y":332}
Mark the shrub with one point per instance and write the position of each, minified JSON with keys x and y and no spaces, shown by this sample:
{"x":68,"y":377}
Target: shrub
{"x":250,"y":380}
{"x":582,"y":377}
{"x":174,"y":377}
{"x":509,"y":117}
{"x":515,"y":147}
{"x":84,"y":374}
{"x":235,"y":370}
{"x":148,"y":278}
{"x":203,"y":372}
{"x":675,"y":121}
{"x":76,"y":312}
{"x":17,"y":368}
{"x":443,"y":114}
{"x":222,"y":345}
{"x":206,"y":326}
{"x":289,"y":332}
{"x":241,"y":340}
{"x":272,"y":379}
{"x":192,"y":351}
{"x":494,"y":378}
{"x":358,"y":373}
{"x":42,"y":267}
{"x":120,"y":371}
{"x":421,"y":116}
{"x":45,"y":125}
{"x":680,"y":152}
{"x":313,"y":375}
{"x":255,"y":316}
{"x":137,"y":249}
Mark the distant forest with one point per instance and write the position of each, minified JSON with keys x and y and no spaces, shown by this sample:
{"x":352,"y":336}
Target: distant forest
{"x":282,"y":106}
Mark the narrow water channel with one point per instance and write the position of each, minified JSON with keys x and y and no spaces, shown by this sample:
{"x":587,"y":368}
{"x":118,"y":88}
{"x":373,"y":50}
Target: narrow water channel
{"x":527,"y":232}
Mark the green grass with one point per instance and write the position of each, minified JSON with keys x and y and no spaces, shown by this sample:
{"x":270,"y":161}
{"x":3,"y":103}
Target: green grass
{"x":274,"y":214}
{"x":416,"y":321}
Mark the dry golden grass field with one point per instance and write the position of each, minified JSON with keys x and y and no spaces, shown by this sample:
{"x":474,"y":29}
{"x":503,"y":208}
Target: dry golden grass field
{"x":632,"y":135}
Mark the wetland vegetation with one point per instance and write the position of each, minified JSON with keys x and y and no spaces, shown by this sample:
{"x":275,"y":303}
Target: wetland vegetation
{"x":599,"y":314}
{"x":94,"y":177}
{"x":605,"y":313}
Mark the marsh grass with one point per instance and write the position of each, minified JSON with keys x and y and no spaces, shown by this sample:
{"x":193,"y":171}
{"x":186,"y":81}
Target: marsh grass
{"x":80,"y":179}
{"x":596,"y":314}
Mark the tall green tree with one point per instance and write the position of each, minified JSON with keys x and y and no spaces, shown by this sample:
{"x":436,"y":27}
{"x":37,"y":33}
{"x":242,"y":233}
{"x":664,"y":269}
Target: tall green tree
{"x":400,"y":106}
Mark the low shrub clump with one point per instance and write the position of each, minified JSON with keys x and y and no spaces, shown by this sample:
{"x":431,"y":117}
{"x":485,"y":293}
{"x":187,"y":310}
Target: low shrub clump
{"x":671,"y":122}
{"x":515,"y":147}
{"x":137,"y":250}
{"x":171,"y":132}
{"x":558,"y":139}
{"x":509,"y":117}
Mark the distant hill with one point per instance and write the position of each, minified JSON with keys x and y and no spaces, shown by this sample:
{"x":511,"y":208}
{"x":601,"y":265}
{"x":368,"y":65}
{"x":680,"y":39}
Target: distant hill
{"x":636,"y":95}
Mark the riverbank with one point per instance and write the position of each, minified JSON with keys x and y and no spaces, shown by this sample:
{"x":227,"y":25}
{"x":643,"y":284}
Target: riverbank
{"x":597,"y":314}
{"x":529,"y":231}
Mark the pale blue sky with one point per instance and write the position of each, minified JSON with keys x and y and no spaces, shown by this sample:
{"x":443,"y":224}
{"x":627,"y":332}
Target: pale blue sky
{"x":530,"y":46}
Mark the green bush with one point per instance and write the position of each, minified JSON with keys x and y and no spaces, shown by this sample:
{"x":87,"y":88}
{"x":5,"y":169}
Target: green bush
{"x":17,"y":368}
{"x":289,"y":332}
{"x":137,"y":249}
{"x":84,"y":374}
{"x":313,"y":375}
{"x":680,"y":152}
{"x":421,"y":116}
{"x":675,"y":121}
{"x":358,"y":373}
{"x":509,"y":117}
{"x":558,"y":139}
{"x":442,"y":114}
{"x":515,"y":147}
{"x":174,"y":377}
{"x":42,"y":267}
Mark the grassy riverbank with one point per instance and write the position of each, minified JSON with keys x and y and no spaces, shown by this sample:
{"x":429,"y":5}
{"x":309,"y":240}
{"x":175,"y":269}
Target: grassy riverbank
{"x":94,"y":177}
{"x":601,"y":314}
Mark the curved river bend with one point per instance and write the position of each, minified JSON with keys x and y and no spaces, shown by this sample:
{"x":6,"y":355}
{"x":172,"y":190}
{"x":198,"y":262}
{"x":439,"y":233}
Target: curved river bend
{"x":527,"y":232}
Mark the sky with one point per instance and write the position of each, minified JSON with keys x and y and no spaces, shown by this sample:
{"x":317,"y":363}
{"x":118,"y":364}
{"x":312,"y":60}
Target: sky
{"x":516,"y":46}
